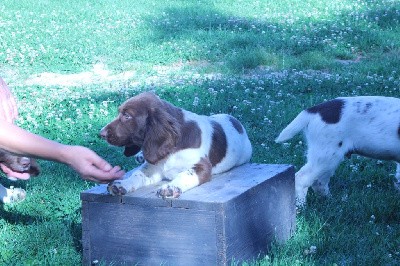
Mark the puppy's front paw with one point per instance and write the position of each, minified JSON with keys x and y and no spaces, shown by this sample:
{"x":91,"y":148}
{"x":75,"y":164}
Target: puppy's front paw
{"x":169,"y":192}
{"x":116,"y":189}
{"x":14,"y":195}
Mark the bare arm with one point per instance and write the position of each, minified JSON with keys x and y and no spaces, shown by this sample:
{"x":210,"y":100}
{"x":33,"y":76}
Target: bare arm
{"x":8,"y":106}
{"x":85,"y":161}
{"x":15,"y":139}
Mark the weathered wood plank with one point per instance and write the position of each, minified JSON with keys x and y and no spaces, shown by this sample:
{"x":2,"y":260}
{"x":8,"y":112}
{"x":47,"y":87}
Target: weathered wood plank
{"x":154,"y":234}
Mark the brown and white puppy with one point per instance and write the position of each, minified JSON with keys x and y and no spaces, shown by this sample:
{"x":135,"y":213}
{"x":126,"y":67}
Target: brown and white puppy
{"x":364,"y":125}
{"x":177,"y":145}
{"x":17,"y":164}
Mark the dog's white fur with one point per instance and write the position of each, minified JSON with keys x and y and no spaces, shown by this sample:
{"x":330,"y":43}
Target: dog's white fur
{"x":11,"y":195}
{"x":178,"y":167}
{"x":187,"y":167}
{"x":366,"y":125}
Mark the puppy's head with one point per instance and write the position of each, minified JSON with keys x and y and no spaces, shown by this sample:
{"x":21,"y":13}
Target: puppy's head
{"x":143,"y":122}
{"x":19,"y":163}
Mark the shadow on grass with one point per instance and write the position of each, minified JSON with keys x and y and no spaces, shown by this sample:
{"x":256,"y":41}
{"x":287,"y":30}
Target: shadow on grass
{"x":244,"y":43}
{"x":16,"y":218}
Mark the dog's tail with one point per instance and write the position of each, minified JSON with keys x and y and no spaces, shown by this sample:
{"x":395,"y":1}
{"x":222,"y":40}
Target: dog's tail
{"x":297,"y":125}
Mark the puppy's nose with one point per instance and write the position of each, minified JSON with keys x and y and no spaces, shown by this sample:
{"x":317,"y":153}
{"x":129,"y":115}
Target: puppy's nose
{"x":25,"y":162}
{"x":103,"y":133}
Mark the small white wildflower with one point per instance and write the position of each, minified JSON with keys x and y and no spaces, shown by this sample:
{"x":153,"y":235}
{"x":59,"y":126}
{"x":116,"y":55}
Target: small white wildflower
{"x":196,"y":101}
{"x":313,"y":249}
{"x":212,"y":91}
{"x":345,"y":197}
{"x":286,"y":145}
{"x":310,"y":251}
{"x":372,"y":219}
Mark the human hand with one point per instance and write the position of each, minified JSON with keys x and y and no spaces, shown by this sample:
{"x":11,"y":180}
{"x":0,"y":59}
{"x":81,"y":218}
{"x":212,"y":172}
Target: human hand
{"x":91,"y":166}
{"x":8,"y":106}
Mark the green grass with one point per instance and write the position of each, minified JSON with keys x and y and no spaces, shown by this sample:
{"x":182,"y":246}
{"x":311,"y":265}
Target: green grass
{"x":261,"y":61}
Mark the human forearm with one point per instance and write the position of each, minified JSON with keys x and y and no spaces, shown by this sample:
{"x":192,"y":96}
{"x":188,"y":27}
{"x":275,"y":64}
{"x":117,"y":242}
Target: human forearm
{"x":20,"y":141}
{"x":85,"y":161}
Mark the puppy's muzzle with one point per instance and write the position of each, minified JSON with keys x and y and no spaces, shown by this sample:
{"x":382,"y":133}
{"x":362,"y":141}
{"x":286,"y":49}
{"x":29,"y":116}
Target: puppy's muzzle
{"x":104,"y":133}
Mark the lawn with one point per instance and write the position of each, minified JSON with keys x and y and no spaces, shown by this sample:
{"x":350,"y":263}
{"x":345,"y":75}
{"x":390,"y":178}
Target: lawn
{"x":71,"y":63}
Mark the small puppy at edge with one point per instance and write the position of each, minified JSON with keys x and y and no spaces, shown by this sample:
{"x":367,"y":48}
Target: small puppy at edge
{"x":17,"y":164}
{"x":364,"y":125}
{"x":177,"y":145}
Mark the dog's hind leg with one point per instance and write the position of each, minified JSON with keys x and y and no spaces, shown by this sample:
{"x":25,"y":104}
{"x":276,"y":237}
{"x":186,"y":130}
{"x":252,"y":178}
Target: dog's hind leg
{"x":304,"y":178}
{"x":316,"y":173}
{"x":188,"y":179}
{"x":321,"y":185}
{"x":317,"y":177}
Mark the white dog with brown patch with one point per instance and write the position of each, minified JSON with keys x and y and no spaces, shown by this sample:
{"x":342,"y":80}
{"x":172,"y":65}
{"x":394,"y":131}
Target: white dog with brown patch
{"x":178,"y":145}
{"x":364,"y":125}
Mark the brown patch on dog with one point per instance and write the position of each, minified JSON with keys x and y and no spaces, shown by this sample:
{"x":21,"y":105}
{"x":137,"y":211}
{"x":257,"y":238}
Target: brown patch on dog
{"x":218,"y":145}
{"x":190,"y":136}
{"x":236,"y":124}
{"x":162,"y":132}
{"x":203,"y":170}
{"x":145,"y":122}
{"x":330,"y":111}
{"x":157,"y":127}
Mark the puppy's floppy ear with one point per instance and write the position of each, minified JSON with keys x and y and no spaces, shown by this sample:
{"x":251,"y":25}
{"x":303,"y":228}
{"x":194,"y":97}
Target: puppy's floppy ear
{"x":131,"y":150}
{"x":162,"y":133}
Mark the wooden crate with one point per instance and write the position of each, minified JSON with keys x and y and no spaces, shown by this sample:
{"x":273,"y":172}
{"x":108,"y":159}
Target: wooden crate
{"x":232,"y":218}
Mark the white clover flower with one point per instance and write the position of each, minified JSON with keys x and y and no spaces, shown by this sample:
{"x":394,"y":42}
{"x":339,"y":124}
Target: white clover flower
{"x":372,"y":219}
{"x":196,"y":101}
{"x":310,"y":251}
{"x":313,"y":249}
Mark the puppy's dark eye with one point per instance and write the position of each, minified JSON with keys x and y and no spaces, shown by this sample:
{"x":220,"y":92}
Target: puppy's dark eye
{"x":126,"y":116}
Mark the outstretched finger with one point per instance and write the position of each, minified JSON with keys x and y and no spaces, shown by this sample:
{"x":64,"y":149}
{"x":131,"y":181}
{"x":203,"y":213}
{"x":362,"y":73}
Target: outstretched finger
{"x":100,"y":176}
